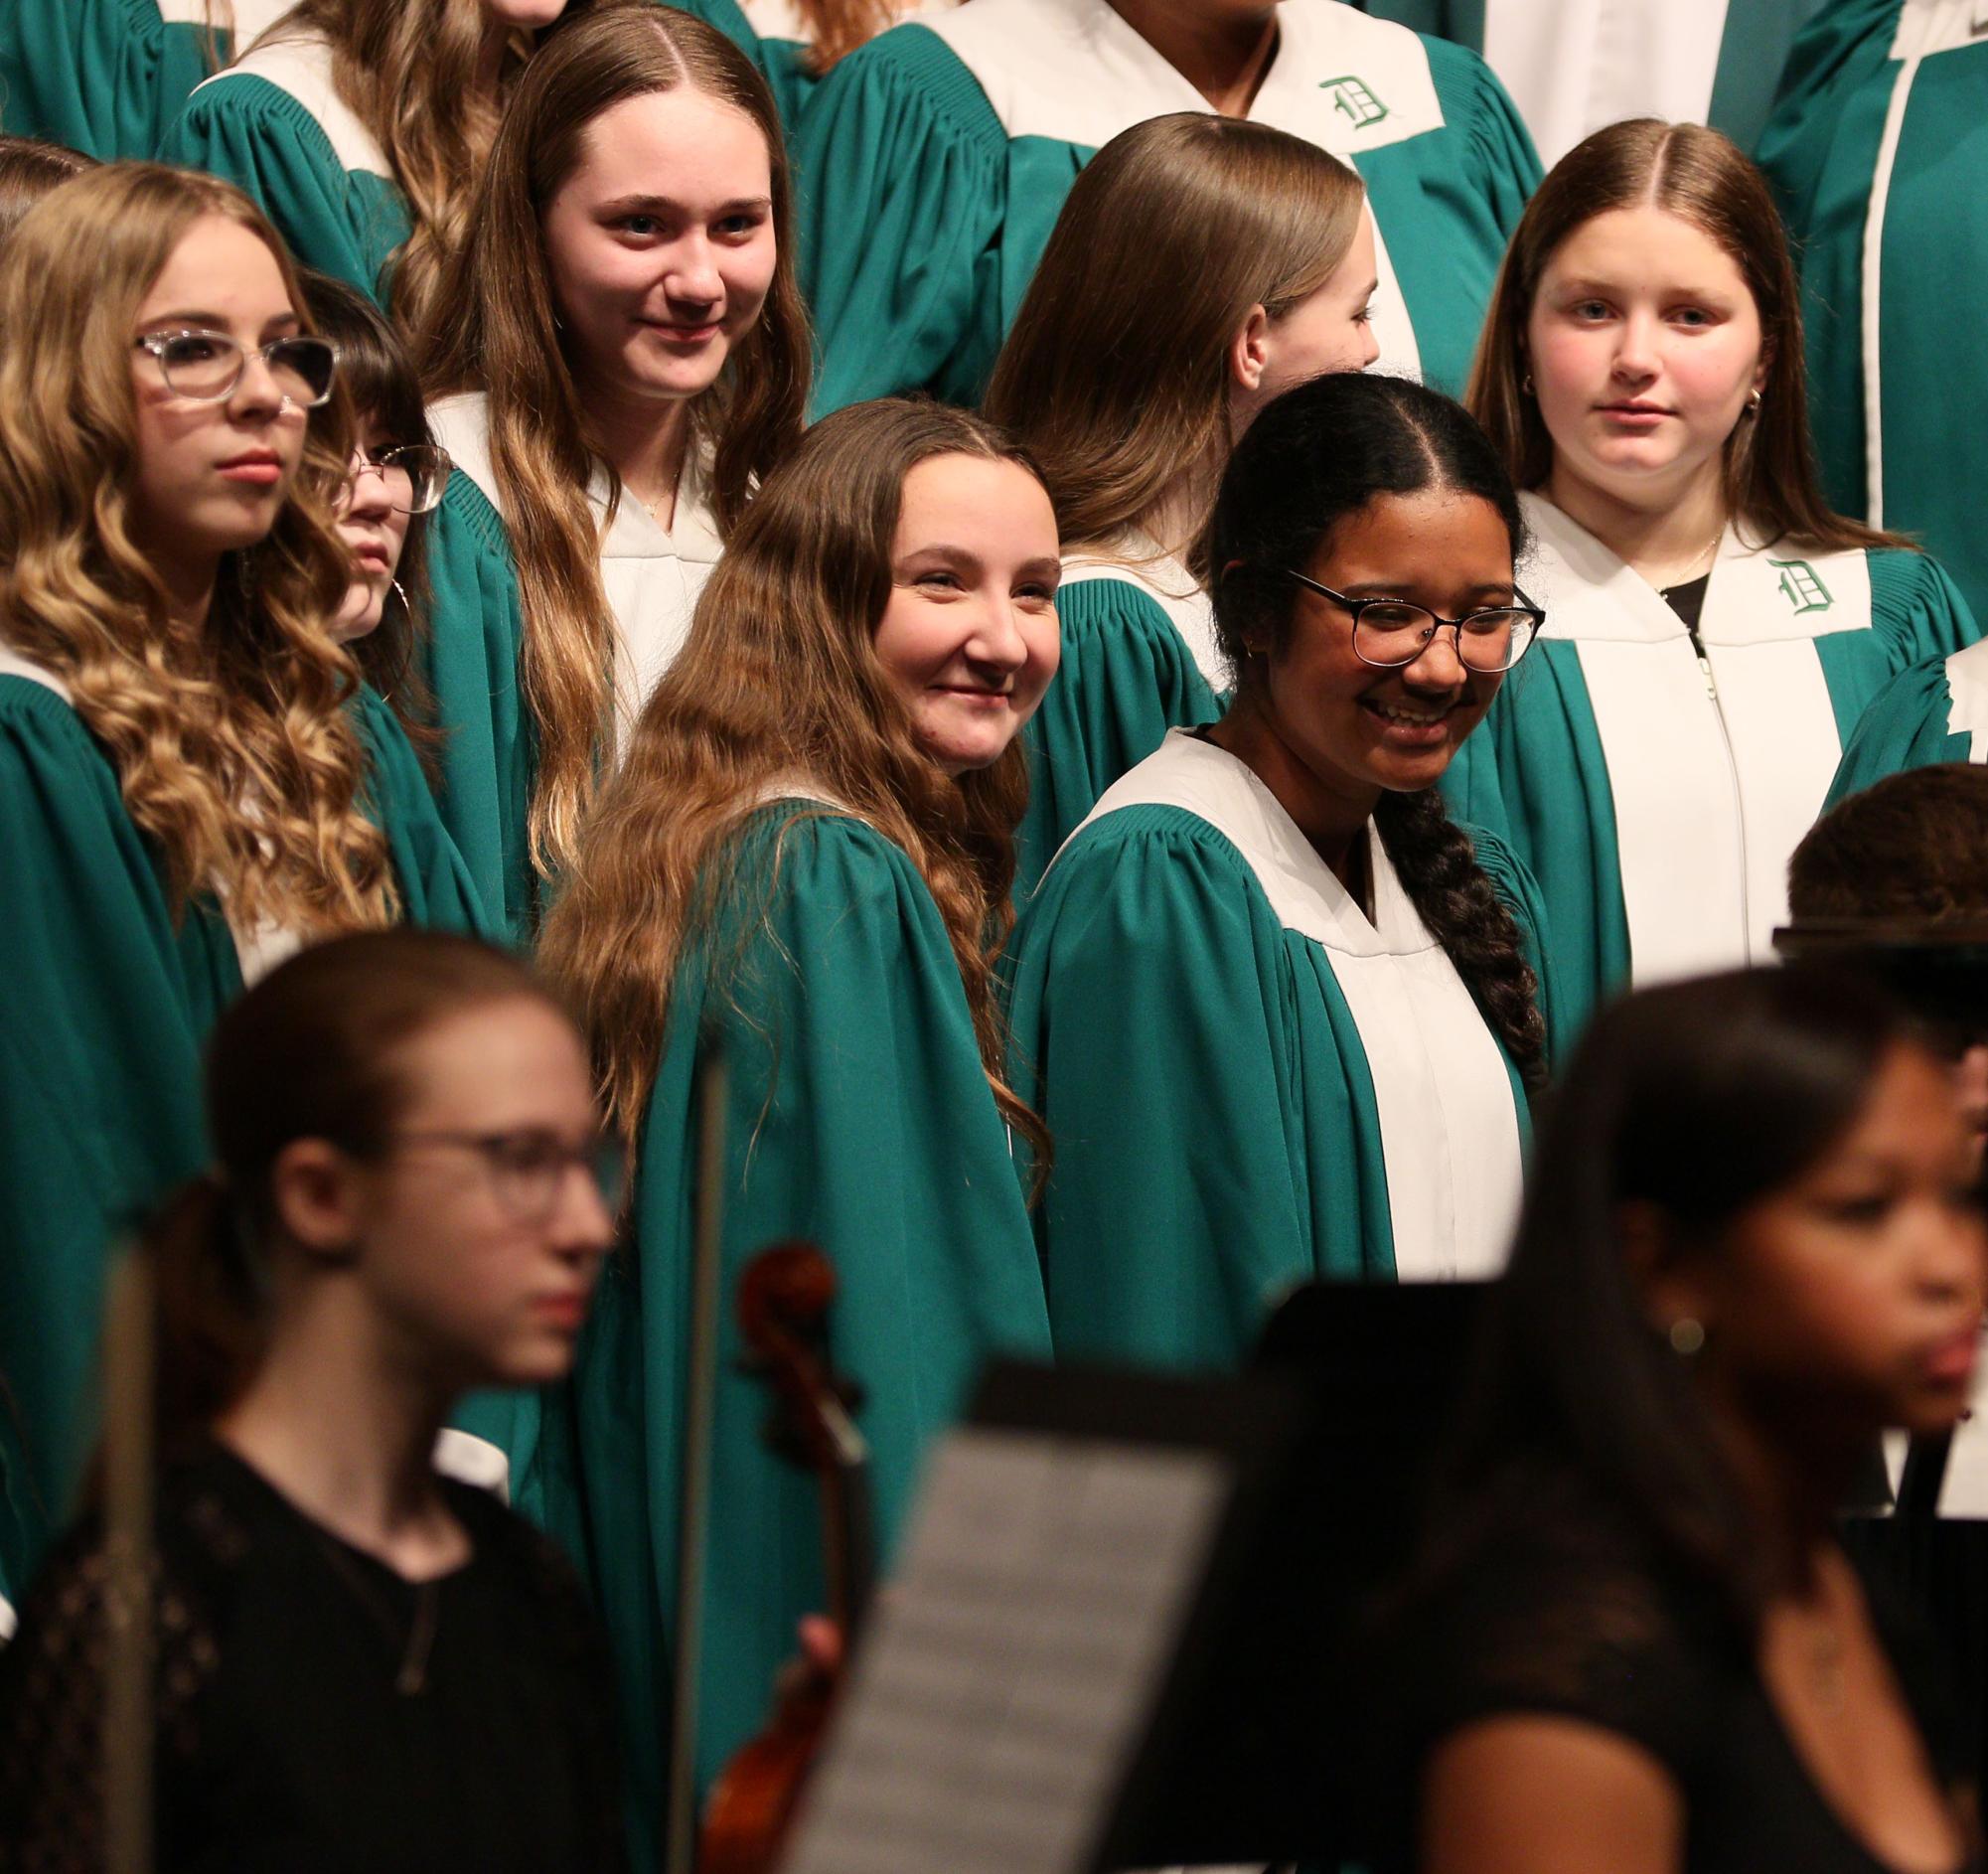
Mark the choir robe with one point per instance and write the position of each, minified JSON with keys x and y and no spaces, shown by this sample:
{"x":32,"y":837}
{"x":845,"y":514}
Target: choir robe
{"x":1879,"y":153}
{"x":858,"y":1117}
{"x":1934,"y":711}
{"x":1573,"y":66}
{"x":108,"y":77}
{"x":274,"y":125}
{"x":1655,"y":797}
{"x":490,"y":762}
{"x":935,"y":160}
{"x":109,"y":1001}
{"x":1138,"y":657}
{"x":1250,"y":1082}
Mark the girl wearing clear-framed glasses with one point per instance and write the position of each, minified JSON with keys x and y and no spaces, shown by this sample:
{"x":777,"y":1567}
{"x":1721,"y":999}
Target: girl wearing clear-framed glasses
{"x":189,"y":794}
{"x":1280,"y":1014}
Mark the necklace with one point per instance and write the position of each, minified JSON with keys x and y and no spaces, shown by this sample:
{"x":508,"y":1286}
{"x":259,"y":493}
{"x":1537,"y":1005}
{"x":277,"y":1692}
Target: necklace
{"x":411,"y":1676}
{"x":1700,"y":566}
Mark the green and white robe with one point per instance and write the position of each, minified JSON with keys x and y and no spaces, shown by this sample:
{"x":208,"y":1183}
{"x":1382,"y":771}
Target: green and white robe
{"x":109,"y":1001}
{"x":274,"y":125}
{"x":935,"y":160}
{"x":1249,"y":1081}
{"x":1879,"y":153}
{"x":1933,"y":713}
{"x":489,"y":764}
{"x":1573,"y":66}
{"x":108,"y":77}
{"x":1139,"y":657}
{"x":1657,"y":795}
{"x":858,"y":1117}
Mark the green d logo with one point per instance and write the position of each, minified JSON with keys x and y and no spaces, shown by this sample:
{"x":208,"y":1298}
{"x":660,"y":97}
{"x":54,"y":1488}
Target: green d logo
{"x":1800,"y":586}
{"x":1353,"y":101}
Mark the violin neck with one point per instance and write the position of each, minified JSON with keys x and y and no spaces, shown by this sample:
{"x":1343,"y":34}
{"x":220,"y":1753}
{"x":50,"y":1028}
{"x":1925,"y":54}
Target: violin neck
{"x":849,"y":1545}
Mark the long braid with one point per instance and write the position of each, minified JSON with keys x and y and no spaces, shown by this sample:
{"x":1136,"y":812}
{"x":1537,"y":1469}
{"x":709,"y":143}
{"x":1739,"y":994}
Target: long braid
{"x":1437,"y":868}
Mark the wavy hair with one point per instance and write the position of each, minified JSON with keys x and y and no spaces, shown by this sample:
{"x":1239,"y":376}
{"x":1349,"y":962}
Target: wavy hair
{"x":1315,"y":455}
{"x":505,"y":341}
{"x":251,"y":708}
{"x":29,"y":170}
{"x":1770,"y":482}
{"x":1115,"y":376}
{"x":779,"y":678}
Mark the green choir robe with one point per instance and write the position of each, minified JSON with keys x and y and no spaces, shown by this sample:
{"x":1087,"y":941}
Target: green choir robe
{"x":935,"y":160}
{"x":1573,"y":66}
{"x":1936,"y":711}
{"x":109,"y":1002}
{"x":108,"y":77}
{"x":1879,"y":153}
{"x":1138,"y":657}
{"x":274,"y":125}
{"x":653,"y":577}
{"x":1657,"y":796}
{"x":1248,"y":1080}
{"x":858,"y":1117}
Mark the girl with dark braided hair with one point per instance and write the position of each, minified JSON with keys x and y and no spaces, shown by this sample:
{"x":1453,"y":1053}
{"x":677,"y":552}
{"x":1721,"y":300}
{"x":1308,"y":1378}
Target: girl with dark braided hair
{"x":1278,"y":1011}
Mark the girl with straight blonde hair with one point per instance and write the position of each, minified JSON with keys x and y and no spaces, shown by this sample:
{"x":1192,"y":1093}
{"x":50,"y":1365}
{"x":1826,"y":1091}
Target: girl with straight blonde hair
{"x":1201,"y":266}
{"x":803,"y":865}
{"x":361,"y":127}
{"x":626,"y":357}
{"x":185,"y":792}
{"x":1714,"y":630}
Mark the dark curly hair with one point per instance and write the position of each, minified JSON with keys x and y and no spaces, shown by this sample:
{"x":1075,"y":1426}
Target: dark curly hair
{"x":1317,"y":454}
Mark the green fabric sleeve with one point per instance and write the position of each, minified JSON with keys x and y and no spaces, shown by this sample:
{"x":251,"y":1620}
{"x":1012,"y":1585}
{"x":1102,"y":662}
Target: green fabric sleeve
{"x":903,"y":194}
{"x":1916,"y":613}
{"x":1126,"y":678}
{"x":108,"y":1005}
{"x":1909,"y":726}
{"x":1503,"y":162}
{"x":104,"y":76}
{"x":858,"y":1118}
{"x":488,"y":762}
{"x":257,"y":135}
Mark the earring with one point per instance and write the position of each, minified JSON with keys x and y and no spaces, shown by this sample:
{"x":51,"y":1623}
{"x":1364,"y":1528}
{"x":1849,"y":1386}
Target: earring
{"x":1687,"y":1336}
{"x":1753,"y":404}
{"x":1525,"y":383}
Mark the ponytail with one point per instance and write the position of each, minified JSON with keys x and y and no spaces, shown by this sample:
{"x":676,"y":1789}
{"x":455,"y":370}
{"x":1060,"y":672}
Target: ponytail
{"x":1437,"y":868}
{"x":209,"y":1324}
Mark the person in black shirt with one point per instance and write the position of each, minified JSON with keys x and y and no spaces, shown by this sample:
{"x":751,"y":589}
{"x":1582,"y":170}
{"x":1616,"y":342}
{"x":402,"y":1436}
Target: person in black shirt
{"x":1633,"y":1642}
{"x":359,"y":1663}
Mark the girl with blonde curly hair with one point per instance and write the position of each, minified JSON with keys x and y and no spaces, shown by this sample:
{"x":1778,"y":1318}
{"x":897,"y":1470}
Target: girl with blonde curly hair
{"x":804,"y":866}
{"x":187,"y":792}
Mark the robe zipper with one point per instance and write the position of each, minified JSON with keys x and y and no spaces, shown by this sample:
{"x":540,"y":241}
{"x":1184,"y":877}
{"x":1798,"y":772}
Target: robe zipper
{"x":1739,"y":803}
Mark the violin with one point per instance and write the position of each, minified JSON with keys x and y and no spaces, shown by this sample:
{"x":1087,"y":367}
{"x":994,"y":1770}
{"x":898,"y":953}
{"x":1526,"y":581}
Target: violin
{"x":784,"y":1297}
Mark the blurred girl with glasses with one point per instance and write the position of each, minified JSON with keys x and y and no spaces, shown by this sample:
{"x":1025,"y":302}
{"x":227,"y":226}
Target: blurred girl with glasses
{"x":1279,"y":1013}
{"x":1715,"y":632}
{"x":360,"y":1664}
{"x":187,"y":792}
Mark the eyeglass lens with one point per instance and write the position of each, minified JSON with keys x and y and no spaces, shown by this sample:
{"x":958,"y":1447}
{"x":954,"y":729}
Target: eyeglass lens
{"x":1398,"y":634}
{"x":209,"y":365}
{"x":414,"y":477}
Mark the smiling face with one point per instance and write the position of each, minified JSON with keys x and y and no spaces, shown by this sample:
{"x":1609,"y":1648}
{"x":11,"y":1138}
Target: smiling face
{"x":374,"y":533}
{"x":1359,"y":730}
{"x":1644,"y":346}
{"x":661,"y":245}
{"x":970,"y":634}
{"x":211,"y":478}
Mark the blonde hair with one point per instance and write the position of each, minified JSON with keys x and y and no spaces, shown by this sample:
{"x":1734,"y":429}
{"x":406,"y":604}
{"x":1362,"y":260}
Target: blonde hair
{"x":249,"y":709}
{"x":506,"y":342}
{"x":412,"y":73}
{"x":1115,"y":376}
{"x":1700,"y":176}
{"x":780,"y":675}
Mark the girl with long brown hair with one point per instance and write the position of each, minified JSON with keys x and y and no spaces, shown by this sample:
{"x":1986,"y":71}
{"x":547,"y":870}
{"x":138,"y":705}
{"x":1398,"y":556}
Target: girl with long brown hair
{"x":1715,"y":630}
{"x":187,"y":792}
{"x":625,"y":358}
{"x":361,"y":127}
{"x":1201,"y":266}
{"x":803,"y":867}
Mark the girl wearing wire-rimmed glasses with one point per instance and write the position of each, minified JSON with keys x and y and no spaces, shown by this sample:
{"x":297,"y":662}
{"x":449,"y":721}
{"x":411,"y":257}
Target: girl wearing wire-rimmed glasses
{"x":187,"y":792}
{"x":1278,"y":1010}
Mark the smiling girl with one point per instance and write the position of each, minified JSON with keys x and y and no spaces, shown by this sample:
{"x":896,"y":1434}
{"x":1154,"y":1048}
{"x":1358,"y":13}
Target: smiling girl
{"x":1716,"y":630}
{"x":627,"y":356}
{"x":803,"y":868}
{"x":1273,"y":1005}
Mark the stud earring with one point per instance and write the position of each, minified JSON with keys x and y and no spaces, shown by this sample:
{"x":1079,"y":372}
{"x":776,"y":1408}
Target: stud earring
{"x":1687,"y":1336}
{"x":1525,"y":385}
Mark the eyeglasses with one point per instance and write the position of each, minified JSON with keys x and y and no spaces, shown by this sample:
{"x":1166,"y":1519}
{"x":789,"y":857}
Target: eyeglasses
{"x":1390,"y":632}
{"x":528,"y":1169}
{"x":413,"y":476}
{"x":205,"y":367}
